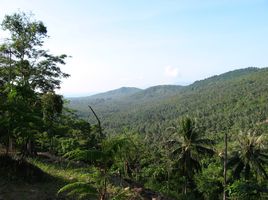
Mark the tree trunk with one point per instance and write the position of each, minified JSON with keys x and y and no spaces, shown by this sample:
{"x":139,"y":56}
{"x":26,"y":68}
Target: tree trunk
{"x":185,"y":186}
{"x":10,"y":144}
{"x":29,"y":147}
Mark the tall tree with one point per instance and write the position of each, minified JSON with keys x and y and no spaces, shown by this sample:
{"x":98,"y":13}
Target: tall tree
{"x":27,"y":71}
{"x":188,"y":147}
{"x":26,"y":62}
{"x":249,"y":156}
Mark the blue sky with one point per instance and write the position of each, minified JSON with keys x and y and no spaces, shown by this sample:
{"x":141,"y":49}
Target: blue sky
{"x":141,"y":43}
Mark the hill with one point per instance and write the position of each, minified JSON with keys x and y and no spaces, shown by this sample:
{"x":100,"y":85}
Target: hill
{"x":101,"y":99}
{"x":236,"y":99}
{"x":115,"y":94}
{"x":122,"y":98}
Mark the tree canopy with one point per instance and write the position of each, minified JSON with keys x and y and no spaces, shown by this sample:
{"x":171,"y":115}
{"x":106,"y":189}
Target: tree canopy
{"x":28,"y":75}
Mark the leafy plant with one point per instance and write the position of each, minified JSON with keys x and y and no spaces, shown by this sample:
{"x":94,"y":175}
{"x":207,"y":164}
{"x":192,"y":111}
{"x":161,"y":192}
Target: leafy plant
{"x":247,"y":190}
{"x":249,"y":155}
{"x":80,"y":190}
{"x":187,"y":149}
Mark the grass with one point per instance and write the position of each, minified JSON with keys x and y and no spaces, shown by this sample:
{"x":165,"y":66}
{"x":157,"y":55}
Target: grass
{"x":63,"y":171}
{"x":57,"y":175}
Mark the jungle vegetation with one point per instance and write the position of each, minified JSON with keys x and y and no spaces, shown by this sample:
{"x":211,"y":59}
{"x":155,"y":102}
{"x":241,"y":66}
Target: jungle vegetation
{"x":165,"y":142}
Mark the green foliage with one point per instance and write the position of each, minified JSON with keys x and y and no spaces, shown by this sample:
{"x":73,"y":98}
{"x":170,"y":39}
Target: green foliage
{"x":27,"y":72}
{"x":89,"y":156}
{"x":52,"y":105}
{"x":209,"y":181}
{"x":250,"y":155}
{"x":152,"y":151}
{"x":67,"y":145}
{"x":27,"y":63}
{"x":187,"y":149}
{"x":128,"y":151}
{"x":234,"y":100}
{"x":247,"y":190}
{"x":80,"y":190}
{"x":103,"y":159}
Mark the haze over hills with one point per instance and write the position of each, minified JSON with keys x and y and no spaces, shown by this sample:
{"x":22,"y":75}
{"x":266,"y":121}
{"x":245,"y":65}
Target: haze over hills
{"x":122,"y":98}
{"x":113,"y":94}
{"x":236,"y":98}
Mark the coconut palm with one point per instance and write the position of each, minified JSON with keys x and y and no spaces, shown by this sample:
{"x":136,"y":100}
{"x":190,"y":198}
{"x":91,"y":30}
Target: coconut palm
{"x":102,"y":159}
{"x":188,"y":147}
{"x":250,"y":155}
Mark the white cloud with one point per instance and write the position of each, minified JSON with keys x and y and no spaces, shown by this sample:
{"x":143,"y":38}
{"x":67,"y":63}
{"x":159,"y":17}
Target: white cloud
{"x":171,"y":71}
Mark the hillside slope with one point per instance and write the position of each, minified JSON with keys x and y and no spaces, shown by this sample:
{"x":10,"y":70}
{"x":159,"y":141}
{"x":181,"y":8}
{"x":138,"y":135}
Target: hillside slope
{"x":236,"y":99}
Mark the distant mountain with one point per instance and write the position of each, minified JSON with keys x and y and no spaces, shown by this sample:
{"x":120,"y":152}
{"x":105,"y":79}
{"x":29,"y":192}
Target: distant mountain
{"x":105,"y":97}
{"x":156,"y":93}
{"x":236,"y":99}
{"x":113,"y":94}
{"x":123,"y":96}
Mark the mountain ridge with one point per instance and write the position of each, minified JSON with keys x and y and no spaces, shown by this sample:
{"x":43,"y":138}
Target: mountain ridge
{"x":136,"y":89}
{"x":220,"y":98}
{"x":119,"y":91}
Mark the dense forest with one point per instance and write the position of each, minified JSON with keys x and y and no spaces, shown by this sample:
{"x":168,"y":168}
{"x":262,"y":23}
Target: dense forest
{"x":234,"y":100}
{"x":206,"y":141}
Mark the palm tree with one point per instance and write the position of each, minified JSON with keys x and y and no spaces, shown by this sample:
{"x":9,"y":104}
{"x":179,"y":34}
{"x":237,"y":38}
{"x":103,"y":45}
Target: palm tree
{"x":188,"y":147}
{"x":249,"y":155}
{"x":102,"y":159}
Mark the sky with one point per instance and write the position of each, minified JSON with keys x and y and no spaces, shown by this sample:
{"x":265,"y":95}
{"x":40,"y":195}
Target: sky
{"x":142,"y":43}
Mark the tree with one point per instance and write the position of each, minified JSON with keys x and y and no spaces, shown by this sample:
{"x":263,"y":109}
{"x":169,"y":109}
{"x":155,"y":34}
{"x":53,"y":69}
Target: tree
{"x":246,"y":190}
{"x":249,"y":155}
{"x":209,"y":181}
{"x":26,"y":72}
{"x":103,"y":158}
{"x":52,"y":105}
{"x":187,"y":149}
{"x":25,"y":60}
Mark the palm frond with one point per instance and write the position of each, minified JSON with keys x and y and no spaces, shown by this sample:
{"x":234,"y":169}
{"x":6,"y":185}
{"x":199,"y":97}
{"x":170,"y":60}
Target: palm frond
{"x":177,"y":151}
{"x":172,"y":142}
{"x":81,"y":189}
{"x":250,"y":154}
{"x":86,"y":155}
{"x":204,"y":150}
{"x":263,"y":156}
{"x":261,"y":168}
{"x":233,"y":160}
{"x":114,"y":145}
{"x":205,"y":141}
{"x":238,"y":168}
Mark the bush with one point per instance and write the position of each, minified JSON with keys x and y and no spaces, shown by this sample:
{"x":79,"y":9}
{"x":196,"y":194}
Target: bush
{"x":246,"y":190}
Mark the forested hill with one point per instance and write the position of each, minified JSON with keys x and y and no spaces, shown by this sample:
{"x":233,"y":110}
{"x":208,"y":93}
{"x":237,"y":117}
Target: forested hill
{"x":124,"y":96}
{"x":114,"y":94}
{"x":236,"y":99}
